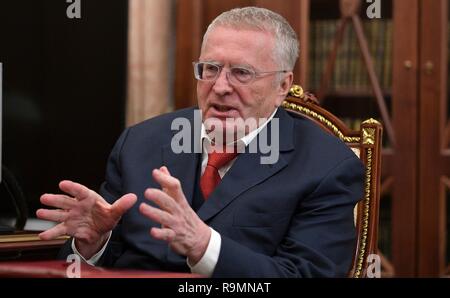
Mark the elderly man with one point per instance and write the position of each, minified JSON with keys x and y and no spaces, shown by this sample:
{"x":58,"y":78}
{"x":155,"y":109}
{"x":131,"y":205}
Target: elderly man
{"x":222,"y":214}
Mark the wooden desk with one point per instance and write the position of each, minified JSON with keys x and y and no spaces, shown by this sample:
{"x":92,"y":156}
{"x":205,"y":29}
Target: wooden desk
{"x":28,"y":246}
{"x":58,"y":269}
{"x":23,"y":254}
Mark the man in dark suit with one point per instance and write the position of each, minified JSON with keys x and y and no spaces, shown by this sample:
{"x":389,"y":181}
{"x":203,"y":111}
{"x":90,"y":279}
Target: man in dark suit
{"x":223,"y":214}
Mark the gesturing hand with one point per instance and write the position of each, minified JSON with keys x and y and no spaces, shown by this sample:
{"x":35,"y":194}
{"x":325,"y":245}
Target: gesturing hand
{"x":84,"y":214}
{"x":185,"y":232}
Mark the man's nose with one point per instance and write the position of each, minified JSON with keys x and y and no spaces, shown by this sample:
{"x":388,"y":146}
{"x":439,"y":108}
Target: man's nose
{"x":222,"y":85}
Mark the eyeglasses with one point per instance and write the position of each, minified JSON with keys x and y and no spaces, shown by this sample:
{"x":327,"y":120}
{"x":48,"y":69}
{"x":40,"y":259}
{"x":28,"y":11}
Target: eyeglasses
{"x":208,"y":71}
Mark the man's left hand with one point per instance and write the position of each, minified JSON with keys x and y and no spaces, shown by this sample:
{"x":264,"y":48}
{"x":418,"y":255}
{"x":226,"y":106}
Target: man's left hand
{"x":185,"y":232}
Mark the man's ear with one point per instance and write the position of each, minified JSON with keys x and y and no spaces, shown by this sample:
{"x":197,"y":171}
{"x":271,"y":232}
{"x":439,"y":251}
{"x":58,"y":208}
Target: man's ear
{"x":284,"y":86}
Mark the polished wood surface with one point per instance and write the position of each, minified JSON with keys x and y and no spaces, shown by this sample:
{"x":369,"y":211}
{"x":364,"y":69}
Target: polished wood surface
{"x":402,"y":167}
{"x":28,"y":246}
{"x":62,"y":269}
{"x":434,"y":156}
{"x":24,"y":254}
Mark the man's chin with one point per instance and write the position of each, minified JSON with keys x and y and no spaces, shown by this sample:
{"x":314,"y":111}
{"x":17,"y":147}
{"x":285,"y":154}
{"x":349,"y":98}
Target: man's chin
{"x":222,"y":131}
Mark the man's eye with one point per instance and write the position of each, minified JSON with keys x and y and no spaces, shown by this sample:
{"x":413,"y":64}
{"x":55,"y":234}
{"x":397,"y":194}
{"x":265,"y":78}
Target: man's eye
{"x":210,"y":68}
{"x":241,"y":72}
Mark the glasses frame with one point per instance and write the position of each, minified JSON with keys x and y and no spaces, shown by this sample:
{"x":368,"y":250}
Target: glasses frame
{"x":230,"y":77}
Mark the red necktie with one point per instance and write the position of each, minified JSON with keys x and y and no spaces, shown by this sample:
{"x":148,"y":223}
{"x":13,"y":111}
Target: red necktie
{"x":211,"y":177}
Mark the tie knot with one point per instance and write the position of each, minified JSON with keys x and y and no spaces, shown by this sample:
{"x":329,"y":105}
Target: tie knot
{"x":219,"y":159}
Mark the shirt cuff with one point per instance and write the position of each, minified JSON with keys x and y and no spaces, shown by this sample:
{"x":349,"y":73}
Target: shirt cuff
{"x":94,"y":259}
{"x":209,"y":260}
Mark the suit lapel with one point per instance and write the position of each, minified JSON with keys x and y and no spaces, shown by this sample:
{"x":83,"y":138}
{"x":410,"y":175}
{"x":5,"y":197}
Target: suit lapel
{"x":248,"y":171}
{"x":183,"y":166}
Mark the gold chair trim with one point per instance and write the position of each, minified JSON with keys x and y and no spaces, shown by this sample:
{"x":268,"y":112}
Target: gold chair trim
{"x":371,"y":121}
{"x":321,"y":119}
{"x":366,"y":216}
{"x":368,"y":136}
{"x":296,"y":91}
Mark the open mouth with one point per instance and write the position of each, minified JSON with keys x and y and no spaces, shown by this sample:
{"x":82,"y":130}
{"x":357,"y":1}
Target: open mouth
{"x":221,"y":108}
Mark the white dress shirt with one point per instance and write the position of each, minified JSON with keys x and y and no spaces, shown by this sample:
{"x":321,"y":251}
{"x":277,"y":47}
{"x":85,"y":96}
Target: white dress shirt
{"x":209,"y":259}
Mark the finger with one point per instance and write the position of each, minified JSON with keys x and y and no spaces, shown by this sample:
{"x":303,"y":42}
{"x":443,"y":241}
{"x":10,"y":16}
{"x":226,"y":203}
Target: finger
{"x":123,"y":204}
{"x":162,"y":199}
{"x":55,"y":232}
{"x":163,"y":234}
{"x":170,"y":183}
{"x":58,"y":201}
{"x":80,"y":192}
{"x":165,"y":170}
{"x":157,"y":215}
{"x":52,"y":215}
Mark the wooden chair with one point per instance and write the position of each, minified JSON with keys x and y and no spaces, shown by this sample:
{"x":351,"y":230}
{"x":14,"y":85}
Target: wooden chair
{"x":366,"y":143}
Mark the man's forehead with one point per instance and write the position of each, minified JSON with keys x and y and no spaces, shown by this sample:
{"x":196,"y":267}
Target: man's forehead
{"x":223,"y":40}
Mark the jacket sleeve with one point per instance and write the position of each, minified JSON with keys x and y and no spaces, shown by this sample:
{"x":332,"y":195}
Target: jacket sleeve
{"x":320,"y":240}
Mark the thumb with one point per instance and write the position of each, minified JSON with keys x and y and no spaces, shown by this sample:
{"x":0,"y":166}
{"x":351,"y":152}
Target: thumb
{"x":123,"y":204}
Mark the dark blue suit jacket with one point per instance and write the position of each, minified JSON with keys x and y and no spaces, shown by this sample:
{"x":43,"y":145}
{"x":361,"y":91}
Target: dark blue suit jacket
{"x":293,"y":218}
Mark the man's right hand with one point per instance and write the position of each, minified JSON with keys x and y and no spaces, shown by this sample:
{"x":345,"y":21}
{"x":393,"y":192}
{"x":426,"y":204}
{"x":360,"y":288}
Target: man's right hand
{"x":84,"y":215}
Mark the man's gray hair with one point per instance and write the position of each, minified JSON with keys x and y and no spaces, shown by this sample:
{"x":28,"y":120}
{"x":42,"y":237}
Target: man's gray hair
{"x":256,"y":18}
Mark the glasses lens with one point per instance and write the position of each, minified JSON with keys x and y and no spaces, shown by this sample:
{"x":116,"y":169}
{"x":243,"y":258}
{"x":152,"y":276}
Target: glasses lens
{"x":242,"y":75}
{"x":206,"y":71}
